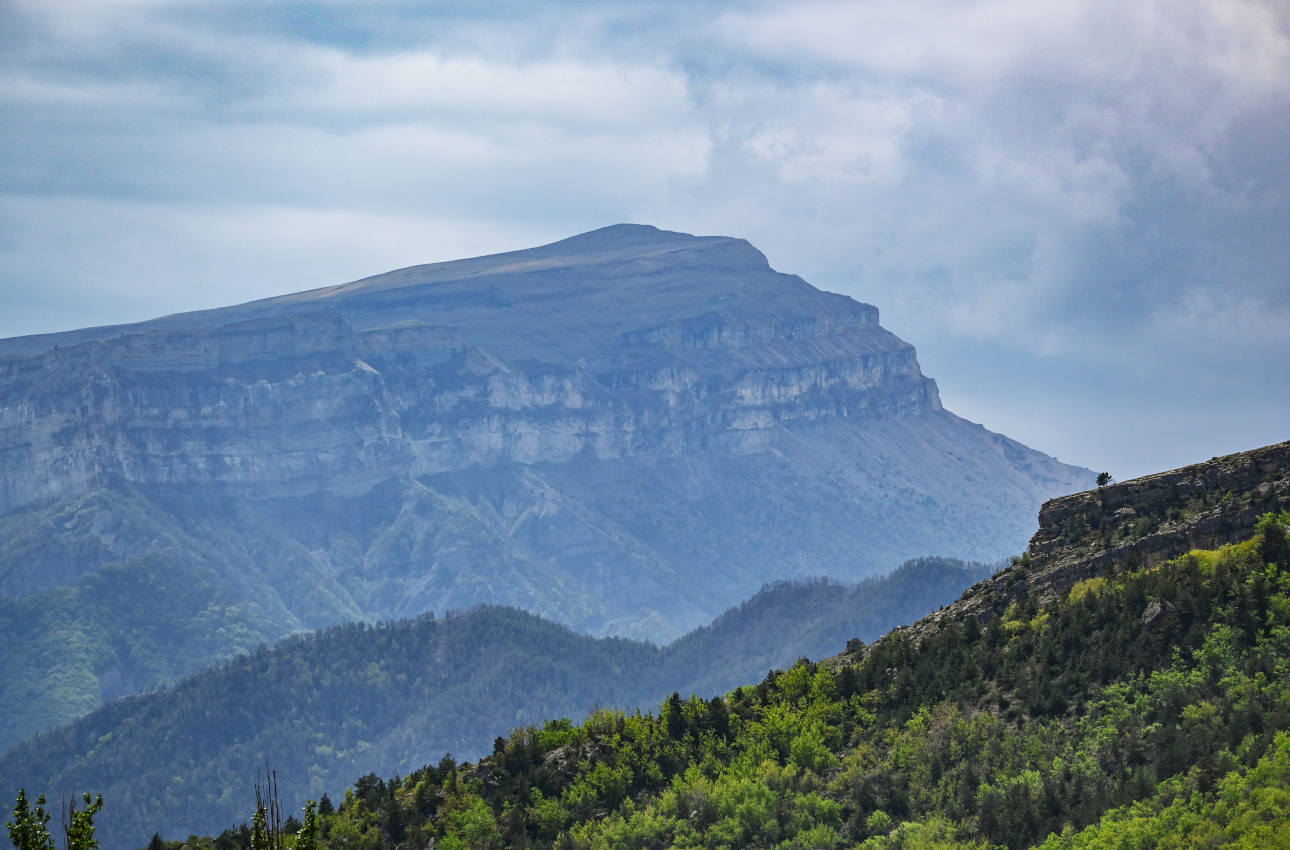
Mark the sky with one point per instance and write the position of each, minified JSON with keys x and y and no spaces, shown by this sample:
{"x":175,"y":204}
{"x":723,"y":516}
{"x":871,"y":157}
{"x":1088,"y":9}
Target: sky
{"x":1078,"y":212}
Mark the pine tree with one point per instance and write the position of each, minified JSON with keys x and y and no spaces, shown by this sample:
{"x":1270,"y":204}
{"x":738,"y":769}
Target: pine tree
{"x":674,"y":717}
{"x":29,"y":830}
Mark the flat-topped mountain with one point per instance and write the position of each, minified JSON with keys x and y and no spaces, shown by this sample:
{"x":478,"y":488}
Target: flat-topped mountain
{"x":624,"y":342}
{"x":627,"y":432}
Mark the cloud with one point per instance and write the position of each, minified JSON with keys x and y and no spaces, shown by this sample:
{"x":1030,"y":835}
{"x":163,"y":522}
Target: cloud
{"x":109,"y":261}
{"x":943,"y":43}
{"x":1033,"y":134}
{"x":1091,"y":192}
{"x":340,"y":85}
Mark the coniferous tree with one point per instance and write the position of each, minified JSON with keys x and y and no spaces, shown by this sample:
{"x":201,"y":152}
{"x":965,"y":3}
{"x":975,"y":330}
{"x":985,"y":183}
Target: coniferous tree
{"x":29,"y":829}
{"x":674,"y":717}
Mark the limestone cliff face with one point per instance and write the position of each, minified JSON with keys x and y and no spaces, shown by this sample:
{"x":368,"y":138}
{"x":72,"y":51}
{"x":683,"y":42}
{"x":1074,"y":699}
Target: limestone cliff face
{"x":657,"y":344}
{"x":627,"y":431}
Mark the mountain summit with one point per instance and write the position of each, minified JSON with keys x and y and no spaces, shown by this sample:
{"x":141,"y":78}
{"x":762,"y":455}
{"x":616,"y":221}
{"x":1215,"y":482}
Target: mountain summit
{"x":627,"y":431}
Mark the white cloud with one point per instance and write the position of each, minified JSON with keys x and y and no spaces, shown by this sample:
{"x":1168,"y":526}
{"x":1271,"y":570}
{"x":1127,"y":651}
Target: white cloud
{"x":944,"y":42}
{"x":1073,"y":183}
{"x":74,"y":262}
{"x":24,"y":90}
{"x":823,"y":133}
{"x":424,"y":83}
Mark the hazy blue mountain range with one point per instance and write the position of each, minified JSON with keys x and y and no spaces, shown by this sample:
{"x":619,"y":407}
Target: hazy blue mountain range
{"x":327,"y":707}
{"x":626,"y":432}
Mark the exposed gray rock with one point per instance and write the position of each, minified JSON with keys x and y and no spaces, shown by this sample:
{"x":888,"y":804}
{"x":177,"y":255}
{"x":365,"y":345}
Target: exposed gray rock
{"x":627,"y":342}
{"x":627,"y":431}
{"x":1138,"y":523}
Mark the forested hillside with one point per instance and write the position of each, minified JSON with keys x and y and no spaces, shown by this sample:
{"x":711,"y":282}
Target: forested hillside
{"x":127,"y":628}
{"x":1142,"y":707}
{"x":353,"y":699}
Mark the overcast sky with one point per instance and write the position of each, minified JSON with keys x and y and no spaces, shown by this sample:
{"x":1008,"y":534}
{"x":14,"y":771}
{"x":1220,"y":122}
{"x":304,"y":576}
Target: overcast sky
{"x":1079,"y":212}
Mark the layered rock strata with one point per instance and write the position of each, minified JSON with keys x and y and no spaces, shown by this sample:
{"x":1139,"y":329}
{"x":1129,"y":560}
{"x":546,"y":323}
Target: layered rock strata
{"x":1136,"y":523}
{"x":449,"y":367}
{"x":628,"y":432}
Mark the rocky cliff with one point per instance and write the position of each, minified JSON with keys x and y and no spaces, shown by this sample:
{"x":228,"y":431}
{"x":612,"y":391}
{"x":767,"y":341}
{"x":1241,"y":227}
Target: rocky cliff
{"x":627,"y":431}
{"x":1134,"y":524}
{"x":601,"y":346}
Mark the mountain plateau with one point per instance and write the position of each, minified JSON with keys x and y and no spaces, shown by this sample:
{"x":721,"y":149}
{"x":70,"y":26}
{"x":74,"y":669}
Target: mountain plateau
{"x":627,"y":432}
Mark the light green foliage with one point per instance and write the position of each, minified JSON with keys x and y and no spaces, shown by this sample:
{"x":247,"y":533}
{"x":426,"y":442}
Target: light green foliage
{"x":471,"y":826}
{"x":878,"y":823}
{"x":557,"y":733}
{"x":1084,"y":723}
{"x":307,"y":837}
{"x":936,"y":833}
{"x":29,"y":829}
{"x":933,"y":834}
{"x":259,"y":831}
{"x":80,"y":827}
{"x":1270,"y":522}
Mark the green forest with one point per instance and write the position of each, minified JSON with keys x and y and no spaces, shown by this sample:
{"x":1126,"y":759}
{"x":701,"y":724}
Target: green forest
{"x":327,"y":707}
{"x":1148,"y":708}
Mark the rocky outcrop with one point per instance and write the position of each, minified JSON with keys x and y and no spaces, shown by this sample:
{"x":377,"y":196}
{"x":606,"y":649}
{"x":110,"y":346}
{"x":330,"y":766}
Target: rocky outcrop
{"x":1137,"y":523}
{"x":1148,"y":520}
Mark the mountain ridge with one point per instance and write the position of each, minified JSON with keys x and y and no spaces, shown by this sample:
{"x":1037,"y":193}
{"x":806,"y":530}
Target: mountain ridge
{"x":623,"y":241}
{"x":627,"y":432}
{"x":1133,"y":524}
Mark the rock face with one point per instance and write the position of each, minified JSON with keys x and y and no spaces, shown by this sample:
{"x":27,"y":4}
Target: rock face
{"x":1137,"y":523}
{"x":626,"y":342}
{"x":627,"y":431}
{"x":1148,"y":520}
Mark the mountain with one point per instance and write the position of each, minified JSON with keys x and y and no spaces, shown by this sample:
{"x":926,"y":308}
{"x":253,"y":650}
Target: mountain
{"x":1144,"y":704}
{"x":627,"y":432}
{"x":355,"y":699}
